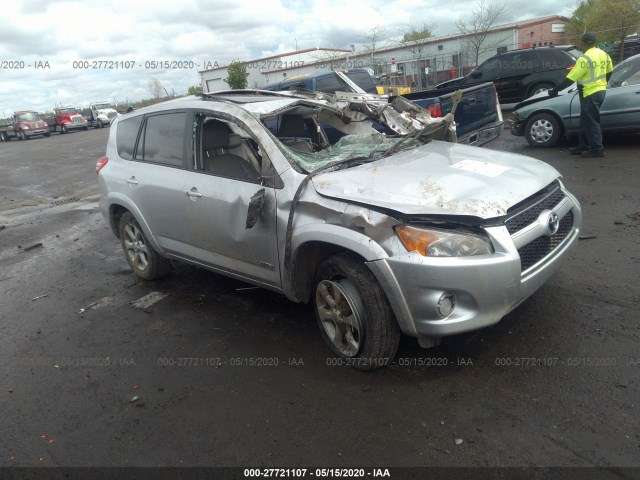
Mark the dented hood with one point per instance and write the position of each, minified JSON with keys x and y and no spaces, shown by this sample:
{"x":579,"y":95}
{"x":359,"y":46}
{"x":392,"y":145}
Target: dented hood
{"x":441,"y":178}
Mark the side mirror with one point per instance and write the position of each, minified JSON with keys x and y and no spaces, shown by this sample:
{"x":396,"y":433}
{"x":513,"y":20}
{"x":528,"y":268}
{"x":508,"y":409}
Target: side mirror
{"x":255,"y":208}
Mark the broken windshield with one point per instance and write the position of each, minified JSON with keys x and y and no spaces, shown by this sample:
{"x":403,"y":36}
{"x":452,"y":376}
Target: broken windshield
{"x":361,"y":146}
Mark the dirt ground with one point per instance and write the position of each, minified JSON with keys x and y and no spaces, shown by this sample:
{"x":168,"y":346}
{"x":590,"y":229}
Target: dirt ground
{"x":217,"y":373}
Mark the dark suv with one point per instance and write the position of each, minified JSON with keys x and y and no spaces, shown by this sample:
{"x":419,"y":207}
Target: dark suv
{"x":519,"y":74}
{"x":631,"y":48}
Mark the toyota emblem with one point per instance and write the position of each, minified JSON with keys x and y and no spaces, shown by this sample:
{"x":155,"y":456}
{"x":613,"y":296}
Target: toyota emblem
{"x":553,"y":222}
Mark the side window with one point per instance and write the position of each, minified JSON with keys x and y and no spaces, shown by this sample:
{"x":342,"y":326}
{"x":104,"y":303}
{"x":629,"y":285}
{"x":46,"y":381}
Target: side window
{"x":492,"y":68}
{"x":227,"y":150}
{"x":163,"y":140}
{"x":127,"y":135}
{"x":329,"y":84}
{"x":298,"y":132}
{"x":523,"y":63}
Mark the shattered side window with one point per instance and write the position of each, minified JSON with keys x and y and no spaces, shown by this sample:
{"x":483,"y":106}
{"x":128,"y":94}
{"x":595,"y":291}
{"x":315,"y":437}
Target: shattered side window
{"x":348,"y":147}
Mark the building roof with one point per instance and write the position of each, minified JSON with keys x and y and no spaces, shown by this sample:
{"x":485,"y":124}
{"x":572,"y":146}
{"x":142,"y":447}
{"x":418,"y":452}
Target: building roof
{"x":301,"y":54}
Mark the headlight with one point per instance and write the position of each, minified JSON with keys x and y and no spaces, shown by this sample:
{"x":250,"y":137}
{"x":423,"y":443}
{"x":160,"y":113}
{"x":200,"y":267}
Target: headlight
{"x":441,"y":243}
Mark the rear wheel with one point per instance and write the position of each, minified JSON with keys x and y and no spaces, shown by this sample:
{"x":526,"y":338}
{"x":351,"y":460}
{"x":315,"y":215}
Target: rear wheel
{"x":145,"y":262}
{"x":353,"y":313}
{"x":542,"y":130}
{"x":540,"y":87}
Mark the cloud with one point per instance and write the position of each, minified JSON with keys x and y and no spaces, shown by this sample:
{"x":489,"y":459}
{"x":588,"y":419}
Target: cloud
{"x":71,"y":35}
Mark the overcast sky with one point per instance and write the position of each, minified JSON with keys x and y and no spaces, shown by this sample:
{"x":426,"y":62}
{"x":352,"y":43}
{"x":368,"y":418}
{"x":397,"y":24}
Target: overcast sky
{"x":41,"y":39}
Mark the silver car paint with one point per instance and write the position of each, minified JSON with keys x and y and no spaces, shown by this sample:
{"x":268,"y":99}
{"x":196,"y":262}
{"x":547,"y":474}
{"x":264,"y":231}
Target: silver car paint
{"x":352,"y":210}
{"x":425,"y":180}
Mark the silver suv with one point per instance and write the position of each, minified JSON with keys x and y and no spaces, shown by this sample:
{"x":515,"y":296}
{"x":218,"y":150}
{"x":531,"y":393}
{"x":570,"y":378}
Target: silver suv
{"x":386,"y":232}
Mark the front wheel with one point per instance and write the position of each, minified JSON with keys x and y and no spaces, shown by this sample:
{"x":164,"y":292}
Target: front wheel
{"x":64,"y":129}
{"x":353,"y":313}
{"x":100,"y":124}
{"x":145,"y":262}
{"x":542,"y":130}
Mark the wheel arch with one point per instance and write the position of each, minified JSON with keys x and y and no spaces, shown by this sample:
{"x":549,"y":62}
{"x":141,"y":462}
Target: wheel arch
{"x":117,"y":207}
{"x":314,"y":243}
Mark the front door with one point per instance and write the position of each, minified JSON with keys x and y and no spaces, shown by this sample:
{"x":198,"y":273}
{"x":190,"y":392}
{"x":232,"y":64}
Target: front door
{"x":226,"y":176}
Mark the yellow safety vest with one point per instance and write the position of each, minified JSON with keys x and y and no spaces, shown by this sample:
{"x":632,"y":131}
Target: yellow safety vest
{"x":591,"y":71}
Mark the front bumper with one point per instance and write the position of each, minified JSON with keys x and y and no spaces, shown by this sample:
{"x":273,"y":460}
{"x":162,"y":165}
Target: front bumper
{"x":36,"y":131}
{"x":76,"y":126}
{"x":485,"y":288}
{"x":517,"y":128}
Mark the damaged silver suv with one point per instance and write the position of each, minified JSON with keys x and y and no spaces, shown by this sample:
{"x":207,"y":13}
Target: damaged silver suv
{"x":348,"y":202}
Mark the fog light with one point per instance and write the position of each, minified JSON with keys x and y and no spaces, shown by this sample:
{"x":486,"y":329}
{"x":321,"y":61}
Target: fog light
{"x":446,"y":304}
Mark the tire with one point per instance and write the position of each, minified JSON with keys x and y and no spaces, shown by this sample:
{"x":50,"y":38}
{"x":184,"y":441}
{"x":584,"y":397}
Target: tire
{"x":540,"y":87}
{"x":86,"y":128}
{"x":3,"y":138}
{"x":542,"y":130}
{"x":145,"y":262}
{"x":22,"y":136}
{"x":48,"y":134}
{"x":64,"y":129}
{"x":353,"y":313}
{"x":100,"y":124}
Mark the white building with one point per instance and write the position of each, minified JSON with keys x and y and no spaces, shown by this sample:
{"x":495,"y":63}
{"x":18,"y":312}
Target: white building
{"x":422,"y":63}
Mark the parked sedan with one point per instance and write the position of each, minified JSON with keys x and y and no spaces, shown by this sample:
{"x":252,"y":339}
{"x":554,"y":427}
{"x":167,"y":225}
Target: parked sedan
{"x":543,"y":120}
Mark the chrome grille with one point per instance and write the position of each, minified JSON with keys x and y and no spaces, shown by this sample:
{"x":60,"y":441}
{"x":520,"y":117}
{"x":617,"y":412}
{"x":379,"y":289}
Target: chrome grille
{"x":535,"y":251}
{"x":76,"y":119}
{"x":111,"y":115}
{"x":529,"y":214}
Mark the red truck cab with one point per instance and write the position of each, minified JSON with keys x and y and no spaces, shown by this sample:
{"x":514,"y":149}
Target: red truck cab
{"x":27,"y":124}
{"x":67,"y":119}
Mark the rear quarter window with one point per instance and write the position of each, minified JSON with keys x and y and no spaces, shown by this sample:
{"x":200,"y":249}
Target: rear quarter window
{"x":126,"y":136}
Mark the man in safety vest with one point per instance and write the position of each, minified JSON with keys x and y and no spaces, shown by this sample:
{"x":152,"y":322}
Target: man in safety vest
{"x":591,"y":73}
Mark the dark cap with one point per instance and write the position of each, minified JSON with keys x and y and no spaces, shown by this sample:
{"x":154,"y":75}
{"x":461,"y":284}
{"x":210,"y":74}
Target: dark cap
{"x":589,"y":38}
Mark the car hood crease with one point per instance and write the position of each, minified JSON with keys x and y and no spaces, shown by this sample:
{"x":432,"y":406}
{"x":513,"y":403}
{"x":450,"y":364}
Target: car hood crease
{"x":440,"y":179}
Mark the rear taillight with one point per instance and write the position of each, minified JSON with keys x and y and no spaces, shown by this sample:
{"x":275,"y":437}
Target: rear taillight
{"x":570,"y":67}
{"x":435,"y":110}
{"x":101,"y":163}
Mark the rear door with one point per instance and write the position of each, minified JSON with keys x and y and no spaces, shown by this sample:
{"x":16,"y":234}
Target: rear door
{"x":514,"y":68}
{"x":155,"y":176}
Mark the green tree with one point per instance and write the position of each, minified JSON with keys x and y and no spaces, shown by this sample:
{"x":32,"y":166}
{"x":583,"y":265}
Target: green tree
{"x":193,"y":89}
{"x":414,"y":34}
{"x":237,"y":75}
{"x":577,"y":25}
{"x":614,"y":19}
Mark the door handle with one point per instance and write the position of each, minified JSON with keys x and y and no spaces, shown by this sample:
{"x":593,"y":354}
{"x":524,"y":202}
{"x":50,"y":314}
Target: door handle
{"x":132,"y":181}
{"x":193,"y":193}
